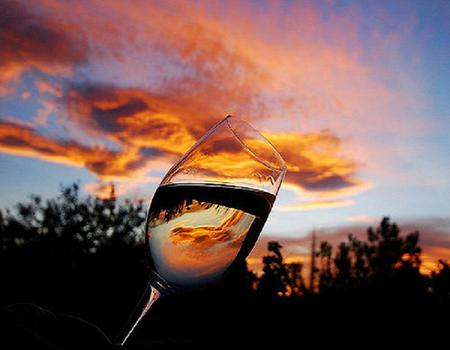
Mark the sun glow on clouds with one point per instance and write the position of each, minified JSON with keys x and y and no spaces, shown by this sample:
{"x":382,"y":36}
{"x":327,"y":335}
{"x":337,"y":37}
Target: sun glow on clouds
{"x":172,"y":71}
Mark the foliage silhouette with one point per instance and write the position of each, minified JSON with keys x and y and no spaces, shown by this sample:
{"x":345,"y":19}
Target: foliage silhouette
{"x":86,"y":257}
{"x":76,"y":254}
{"x":385,"y":259}
{"x":272,"y":282}
{"x":441,"y":283}
{"x":280,"y":279}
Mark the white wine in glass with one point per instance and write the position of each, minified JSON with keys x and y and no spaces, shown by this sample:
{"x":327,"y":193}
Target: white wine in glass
{"x":209,"y":210}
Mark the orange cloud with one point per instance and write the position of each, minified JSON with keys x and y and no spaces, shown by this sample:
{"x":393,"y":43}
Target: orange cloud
{"x":115,"y":118}
{"x":314,"y":160}
{"x":130,"y":117}
{"x":318,"y":171}
{"x":141,"y":120}
{"x":22,"y":140}
{"x":34,"y":42}
{"x":107,"y":164}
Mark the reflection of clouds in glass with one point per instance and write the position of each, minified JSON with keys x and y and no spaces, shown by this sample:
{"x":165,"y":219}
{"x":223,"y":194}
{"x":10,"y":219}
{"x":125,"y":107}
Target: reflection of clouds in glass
{"x":211,"y":234}
{"x":186,"y":253}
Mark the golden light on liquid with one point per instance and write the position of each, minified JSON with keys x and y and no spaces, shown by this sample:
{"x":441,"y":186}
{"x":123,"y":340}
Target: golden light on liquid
{"x":197,"y":241}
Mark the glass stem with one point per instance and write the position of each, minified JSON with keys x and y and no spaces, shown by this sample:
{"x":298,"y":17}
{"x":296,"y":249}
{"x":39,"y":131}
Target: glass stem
{"x":147,"y":300}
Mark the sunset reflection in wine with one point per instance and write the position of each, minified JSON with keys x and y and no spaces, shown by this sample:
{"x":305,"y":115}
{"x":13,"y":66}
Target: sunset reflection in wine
{"x":196,"y":231}
{"x":207,"y":213}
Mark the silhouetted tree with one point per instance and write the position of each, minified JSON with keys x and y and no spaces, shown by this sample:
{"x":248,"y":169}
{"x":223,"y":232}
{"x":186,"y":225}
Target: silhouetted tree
{"x":325,"y":270}
{"x":387,"y":251}
{"x":360,"y":264}
{"x":385,"y":257}
{"x":78,"y":248}
{"x":280,"y":279}
{"x":271,"y":283}
{"x":343,"y":264}
{"x":440,"y":283}
{"x":295,"y":285}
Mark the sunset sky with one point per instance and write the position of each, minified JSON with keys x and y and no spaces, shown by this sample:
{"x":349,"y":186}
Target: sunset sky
{"x":354,"y":94}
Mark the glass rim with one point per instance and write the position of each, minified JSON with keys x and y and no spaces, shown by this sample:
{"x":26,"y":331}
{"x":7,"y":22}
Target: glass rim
{"x":229,"y":119}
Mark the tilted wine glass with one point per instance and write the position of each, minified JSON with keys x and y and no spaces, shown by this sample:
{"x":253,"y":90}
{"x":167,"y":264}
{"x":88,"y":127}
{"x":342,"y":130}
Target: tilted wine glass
{"x":208,"y":211}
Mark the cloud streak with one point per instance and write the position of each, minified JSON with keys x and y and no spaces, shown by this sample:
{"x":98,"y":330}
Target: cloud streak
{"x":107,"y":164}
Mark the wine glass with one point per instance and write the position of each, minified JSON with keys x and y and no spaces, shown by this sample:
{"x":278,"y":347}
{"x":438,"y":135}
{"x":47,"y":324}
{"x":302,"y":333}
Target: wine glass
{"x":208,"y":211}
